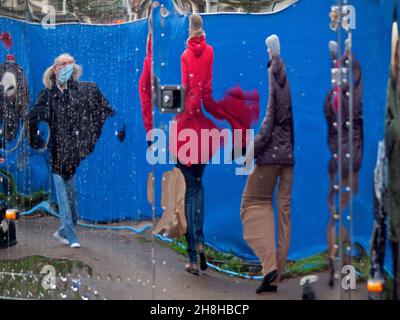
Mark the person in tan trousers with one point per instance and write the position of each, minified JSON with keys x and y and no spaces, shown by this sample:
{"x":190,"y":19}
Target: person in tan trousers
{"x":274,"y":163}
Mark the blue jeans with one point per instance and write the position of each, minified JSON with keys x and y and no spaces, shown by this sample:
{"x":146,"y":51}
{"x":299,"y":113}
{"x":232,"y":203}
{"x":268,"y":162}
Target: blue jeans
{"x":194,"y":207}
{"x":66,"y":198}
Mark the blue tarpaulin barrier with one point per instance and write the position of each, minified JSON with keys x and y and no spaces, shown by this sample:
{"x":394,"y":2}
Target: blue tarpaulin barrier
{"x":111,"y":183}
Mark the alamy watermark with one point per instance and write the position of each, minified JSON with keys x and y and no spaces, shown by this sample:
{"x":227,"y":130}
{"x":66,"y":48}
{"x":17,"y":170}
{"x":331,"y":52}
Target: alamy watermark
{"x":348,"y":17}
{"x":349,"y":280}
{"x":193,"y":147}
{"x":49,"y":280}
{"x":49,"y":20}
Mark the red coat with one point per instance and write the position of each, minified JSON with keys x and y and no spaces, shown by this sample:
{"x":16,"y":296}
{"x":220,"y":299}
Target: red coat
{"x":145,"y":89}
{"x":238,"y":108}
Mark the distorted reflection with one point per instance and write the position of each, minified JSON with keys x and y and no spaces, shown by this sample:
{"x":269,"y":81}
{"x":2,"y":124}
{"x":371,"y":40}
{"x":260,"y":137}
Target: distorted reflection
{"x":346,"y":152}
{"x":211,"y":6}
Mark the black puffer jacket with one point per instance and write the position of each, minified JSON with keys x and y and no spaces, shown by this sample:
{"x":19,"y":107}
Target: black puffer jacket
{"x":333,"y":125}
{"x":274,"y":143}
{"x":75,"y":117}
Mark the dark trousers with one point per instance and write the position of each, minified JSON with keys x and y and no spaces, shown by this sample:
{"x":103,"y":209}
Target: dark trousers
{"x":194,"y":207}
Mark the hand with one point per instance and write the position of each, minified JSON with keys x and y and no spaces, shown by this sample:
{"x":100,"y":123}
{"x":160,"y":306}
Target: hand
{"x":121,"y":133}
{"x":2,"y":160}
{"x":248,"y":163}
{"x":242,"y":152}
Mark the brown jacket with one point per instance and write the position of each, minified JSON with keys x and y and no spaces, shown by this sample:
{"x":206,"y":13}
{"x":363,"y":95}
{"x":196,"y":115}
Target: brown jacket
{"x":332,"y":122}
{"x":275,"y":141}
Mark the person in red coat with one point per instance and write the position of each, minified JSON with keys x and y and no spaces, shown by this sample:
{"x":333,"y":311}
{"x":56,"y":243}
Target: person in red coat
{"x":238,"y":108}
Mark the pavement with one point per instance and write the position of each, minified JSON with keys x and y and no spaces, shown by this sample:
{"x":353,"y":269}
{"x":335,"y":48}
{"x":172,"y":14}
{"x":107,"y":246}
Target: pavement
{"x":130,"y":266}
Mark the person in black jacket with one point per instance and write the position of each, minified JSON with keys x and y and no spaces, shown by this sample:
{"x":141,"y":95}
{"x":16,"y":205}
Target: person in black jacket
{"x":273,"y":151}
{"x":75,"y":113}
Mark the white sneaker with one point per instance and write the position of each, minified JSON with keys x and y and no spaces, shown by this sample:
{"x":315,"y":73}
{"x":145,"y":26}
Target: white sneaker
{"x":75,"y":245}
{"x":57,"y":236}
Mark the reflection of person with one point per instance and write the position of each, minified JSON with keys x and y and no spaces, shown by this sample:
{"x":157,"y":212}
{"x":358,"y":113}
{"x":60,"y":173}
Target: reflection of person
{"x":197,"y":69}
{"x":392,"y":148}
{"x":196,"y":78}
{"x":145,"y":84}
{"x":75,"y":112}
{"x":331,"y":108}
{"x":273,"y":151}
{"x":14,"y":99}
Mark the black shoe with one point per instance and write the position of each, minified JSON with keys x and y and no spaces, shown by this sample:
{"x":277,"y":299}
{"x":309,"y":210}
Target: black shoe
{"x":203,"y":261}
{"x":266,"y":285}
{"x":331,"y":273}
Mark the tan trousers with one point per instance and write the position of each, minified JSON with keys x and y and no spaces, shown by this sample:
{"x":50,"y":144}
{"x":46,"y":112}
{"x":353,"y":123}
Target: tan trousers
{"x":258,"y":215}
{"x":172,"y":223}
{"x":331,"y":228}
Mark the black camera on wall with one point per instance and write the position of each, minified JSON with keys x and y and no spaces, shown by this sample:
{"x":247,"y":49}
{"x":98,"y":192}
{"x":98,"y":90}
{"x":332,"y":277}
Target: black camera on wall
{"x":169,"y":98}
{"x":8,"y":237}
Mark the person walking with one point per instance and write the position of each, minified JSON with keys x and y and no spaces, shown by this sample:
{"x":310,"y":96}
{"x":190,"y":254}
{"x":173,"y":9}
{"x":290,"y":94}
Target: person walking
{"x":75,"y":113}
{"x":274,"y":166}
{"x":238,"y":108}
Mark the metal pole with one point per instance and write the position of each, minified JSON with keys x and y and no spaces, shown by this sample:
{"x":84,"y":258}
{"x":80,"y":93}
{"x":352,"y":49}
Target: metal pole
{"x":351,"y":150}
{"x":350,"y":155}
{"x":340,"y":145}
{"x":208,"y":6}
{"x":153,"y":206}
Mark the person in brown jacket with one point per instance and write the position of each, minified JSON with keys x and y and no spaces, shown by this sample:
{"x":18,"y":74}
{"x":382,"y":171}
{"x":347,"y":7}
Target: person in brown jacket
{"x":273,"y":151}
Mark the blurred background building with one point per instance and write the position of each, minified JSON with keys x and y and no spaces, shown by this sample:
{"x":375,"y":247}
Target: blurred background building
{"x":118,"y":11}
{"x":210,"y":6}
{"x":86,"y":11}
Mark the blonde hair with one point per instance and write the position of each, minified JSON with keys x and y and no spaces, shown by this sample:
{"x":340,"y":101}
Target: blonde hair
{"x":196,"y":26}
{"x":49,"y":75}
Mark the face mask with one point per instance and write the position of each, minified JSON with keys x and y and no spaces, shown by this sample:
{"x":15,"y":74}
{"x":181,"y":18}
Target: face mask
{"x":65,"y":73}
